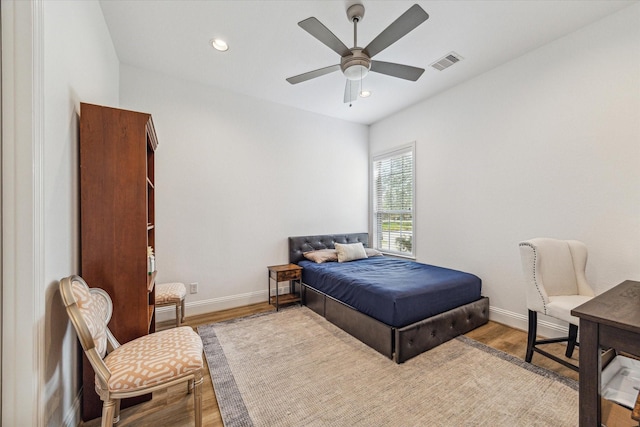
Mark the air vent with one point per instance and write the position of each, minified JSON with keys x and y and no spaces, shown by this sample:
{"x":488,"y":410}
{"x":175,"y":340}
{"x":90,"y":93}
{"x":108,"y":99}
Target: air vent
{"x":447,"y":61}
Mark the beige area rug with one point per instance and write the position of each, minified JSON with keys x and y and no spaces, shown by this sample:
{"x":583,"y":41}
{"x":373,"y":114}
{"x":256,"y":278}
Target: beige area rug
{"x":294,"y":368}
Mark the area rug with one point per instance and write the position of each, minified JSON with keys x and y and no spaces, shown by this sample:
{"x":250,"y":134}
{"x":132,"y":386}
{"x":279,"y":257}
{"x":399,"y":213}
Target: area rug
{"x":294,"y":368}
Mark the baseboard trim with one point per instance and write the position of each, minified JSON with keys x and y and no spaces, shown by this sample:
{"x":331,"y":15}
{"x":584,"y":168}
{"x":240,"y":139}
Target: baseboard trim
{"x":216,"y":304}
{"x":73,"y":415}
{"x":546,"y":328}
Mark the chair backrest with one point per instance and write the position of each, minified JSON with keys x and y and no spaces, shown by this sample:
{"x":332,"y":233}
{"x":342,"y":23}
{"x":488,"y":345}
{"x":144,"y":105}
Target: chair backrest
{"x":553,"y":267}
{"x":90,"y":311}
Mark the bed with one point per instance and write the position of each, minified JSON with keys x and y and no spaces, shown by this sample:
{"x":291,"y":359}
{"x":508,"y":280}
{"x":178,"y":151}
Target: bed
{"x":398,"y":307}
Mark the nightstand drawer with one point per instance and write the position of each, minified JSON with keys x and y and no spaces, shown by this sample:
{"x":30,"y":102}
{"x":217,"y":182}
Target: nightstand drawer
{"x":289,"y":275}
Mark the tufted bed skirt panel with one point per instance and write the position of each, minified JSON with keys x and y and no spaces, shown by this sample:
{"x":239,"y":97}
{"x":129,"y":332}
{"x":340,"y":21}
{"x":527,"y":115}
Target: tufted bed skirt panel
{"x":370,"y":331}
{"x":399,"y":344}
{"x":433,"y":331}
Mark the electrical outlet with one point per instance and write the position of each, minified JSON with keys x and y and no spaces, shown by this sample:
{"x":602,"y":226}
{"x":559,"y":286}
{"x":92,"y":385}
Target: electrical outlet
{"x":193,"y":288}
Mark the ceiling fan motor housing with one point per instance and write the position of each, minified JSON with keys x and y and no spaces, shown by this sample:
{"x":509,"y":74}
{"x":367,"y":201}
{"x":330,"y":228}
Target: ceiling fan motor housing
{"x":356,"y":65}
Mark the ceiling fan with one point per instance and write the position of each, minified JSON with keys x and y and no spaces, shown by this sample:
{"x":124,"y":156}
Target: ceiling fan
{"x":356,"y":62}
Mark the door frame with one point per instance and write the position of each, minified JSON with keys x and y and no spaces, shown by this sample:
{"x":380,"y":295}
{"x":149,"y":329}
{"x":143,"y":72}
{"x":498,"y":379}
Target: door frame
{"x":22,"y":215}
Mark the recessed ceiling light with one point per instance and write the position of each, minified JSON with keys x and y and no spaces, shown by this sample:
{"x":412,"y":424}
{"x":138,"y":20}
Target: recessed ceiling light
{"x":365,"y":94}
{"x":220,"y":45}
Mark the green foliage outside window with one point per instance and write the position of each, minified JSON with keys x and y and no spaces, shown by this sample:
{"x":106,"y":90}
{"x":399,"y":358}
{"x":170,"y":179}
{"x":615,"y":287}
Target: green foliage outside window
{"x":393,"y":202}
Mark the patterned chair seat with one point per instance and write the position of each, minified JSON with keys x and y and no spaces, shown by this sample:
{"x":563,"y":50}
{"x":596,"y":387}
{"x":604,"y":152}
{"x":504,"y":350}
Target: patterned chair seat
{"x":172,"y":293}
{"x":167,"y":293}
{"x":146,"y":361}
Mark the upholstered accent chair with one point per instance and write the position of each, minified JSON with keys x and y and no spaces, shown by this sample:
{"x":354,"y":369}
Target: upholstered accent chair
{"x":144,"y":365}
{"x":555,"y":281}
{"x":172,"y":294}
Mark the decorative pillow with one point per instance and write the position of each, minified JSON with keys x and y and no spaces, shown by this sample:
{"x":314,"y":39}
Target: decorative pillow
{"x":322,"y":255}
{"x":372,"y":252}
{"x":350,"y":252}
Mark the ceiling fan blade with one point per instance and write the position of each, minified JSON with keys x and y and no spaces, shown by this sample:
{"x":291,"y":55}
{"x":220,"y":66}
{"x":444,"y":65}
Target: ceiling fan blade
{"x":399,"y":28}
{"x":313,"y":74}
{"x":406,"y":72}
{"x":351,"y":91}
{"x":322,"y":33}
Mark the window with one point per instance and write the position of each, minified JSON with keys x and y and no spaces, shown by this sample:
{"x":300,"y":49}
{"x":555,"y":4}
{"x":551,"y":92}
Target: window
{"x":393,"y":201}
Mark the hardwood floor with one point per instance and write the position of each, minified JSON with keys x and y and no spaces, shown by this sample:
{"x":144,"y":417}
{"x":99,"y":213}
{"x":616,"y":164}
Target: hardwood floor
{"x":175,"y":408}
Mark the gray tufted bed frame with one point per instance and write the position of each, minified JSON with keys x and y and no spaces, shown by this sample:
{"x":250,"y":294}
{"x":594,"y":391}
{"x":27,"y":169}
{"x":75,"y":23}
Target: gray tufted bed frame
{"x":399,"y":344}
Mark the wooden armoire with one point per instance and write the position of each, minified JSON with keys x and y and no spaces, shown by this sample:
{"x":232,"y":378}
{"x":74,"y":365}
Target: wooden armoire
{"x":117,"y":223}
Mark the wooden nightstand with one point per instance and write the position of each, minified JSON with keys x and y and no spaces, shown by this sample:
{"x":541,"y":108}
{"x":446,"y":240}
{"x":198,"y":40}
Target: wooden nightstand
{"x":283,"y":273}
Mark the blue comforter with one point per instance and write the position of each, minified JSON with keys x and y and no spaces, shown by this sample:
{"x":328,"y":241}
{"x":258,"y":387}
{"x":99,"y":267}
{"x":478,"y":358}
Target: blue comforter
{"x":394,"y":291}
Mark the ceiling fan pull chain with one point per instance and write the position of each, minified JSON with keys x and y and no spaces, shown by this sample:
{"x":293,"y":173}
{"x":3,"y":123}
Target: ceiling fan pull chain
{"x":350,"y":82}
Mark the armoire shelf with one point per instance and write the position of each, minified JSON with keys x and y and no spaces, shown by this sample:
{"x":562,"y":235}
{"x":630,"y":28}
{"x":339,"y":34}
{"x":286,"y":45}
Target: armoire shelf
{"x":117,"y":223}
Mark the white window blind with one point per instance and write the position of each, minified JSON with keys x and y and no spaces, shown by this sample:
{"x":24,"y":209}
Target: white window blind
{"x":393,"y":201}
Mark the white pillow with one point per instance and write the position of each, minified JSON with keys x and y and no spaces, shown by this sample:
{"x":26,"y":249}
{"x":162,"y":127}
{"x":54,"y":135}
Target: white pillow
{"x":350,"y":252}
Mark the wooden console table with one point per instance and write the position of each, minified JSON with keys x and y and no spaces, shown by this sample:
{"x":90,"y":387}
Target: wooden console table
{"x":611,"y":319}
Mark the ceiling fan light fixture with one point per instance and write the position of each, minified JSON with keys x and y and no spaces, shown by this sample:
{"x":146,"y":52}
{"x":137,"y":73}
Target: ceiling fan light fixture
{"x":356,"y":72}
{"x":219,"y":44}
{"x":356,"y":65}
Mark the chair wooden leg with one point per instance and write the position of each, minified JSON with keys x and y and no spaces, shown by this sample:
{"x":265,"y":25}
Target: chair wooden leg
{"x":573,"y":335}
{"x":197,"y":400}
{"x":182,"y":305}
{"x":108,"y":411}
{"x":116,"y":415}
{"x":531,"y":335}
{"x":189,"y":386}
{"x":178,"y":307}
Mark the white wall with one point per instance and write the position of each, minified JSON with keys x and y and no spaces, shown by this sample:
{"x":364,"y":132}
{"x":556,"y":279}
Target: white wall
{"x":80,"y":65}
{"x":235,"y":176}
{"x":545,"y":145}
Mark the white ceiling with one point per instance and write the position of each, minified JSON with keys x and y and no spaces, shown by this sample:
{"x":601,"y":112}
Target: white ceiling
{"x":267,"y":46}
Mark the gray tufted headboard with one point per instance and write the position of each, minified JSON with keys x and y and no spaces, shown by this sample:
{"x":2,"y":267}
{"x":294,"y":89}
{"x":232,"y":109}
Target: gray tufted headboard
{"x":300,"y":244}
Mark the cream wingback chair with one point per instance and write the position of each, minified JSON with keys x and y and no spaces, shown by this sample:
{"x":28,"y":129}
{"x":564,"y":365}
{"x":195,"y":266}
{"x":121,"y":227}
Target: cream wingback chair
{"x":554,"y":272}
{"x":144,"y":365}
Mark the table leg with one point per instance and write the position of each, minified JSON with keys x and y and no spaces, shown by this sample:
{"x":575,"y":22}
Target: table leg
{"x":299,"y":292}
{"x":590,"y":370}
